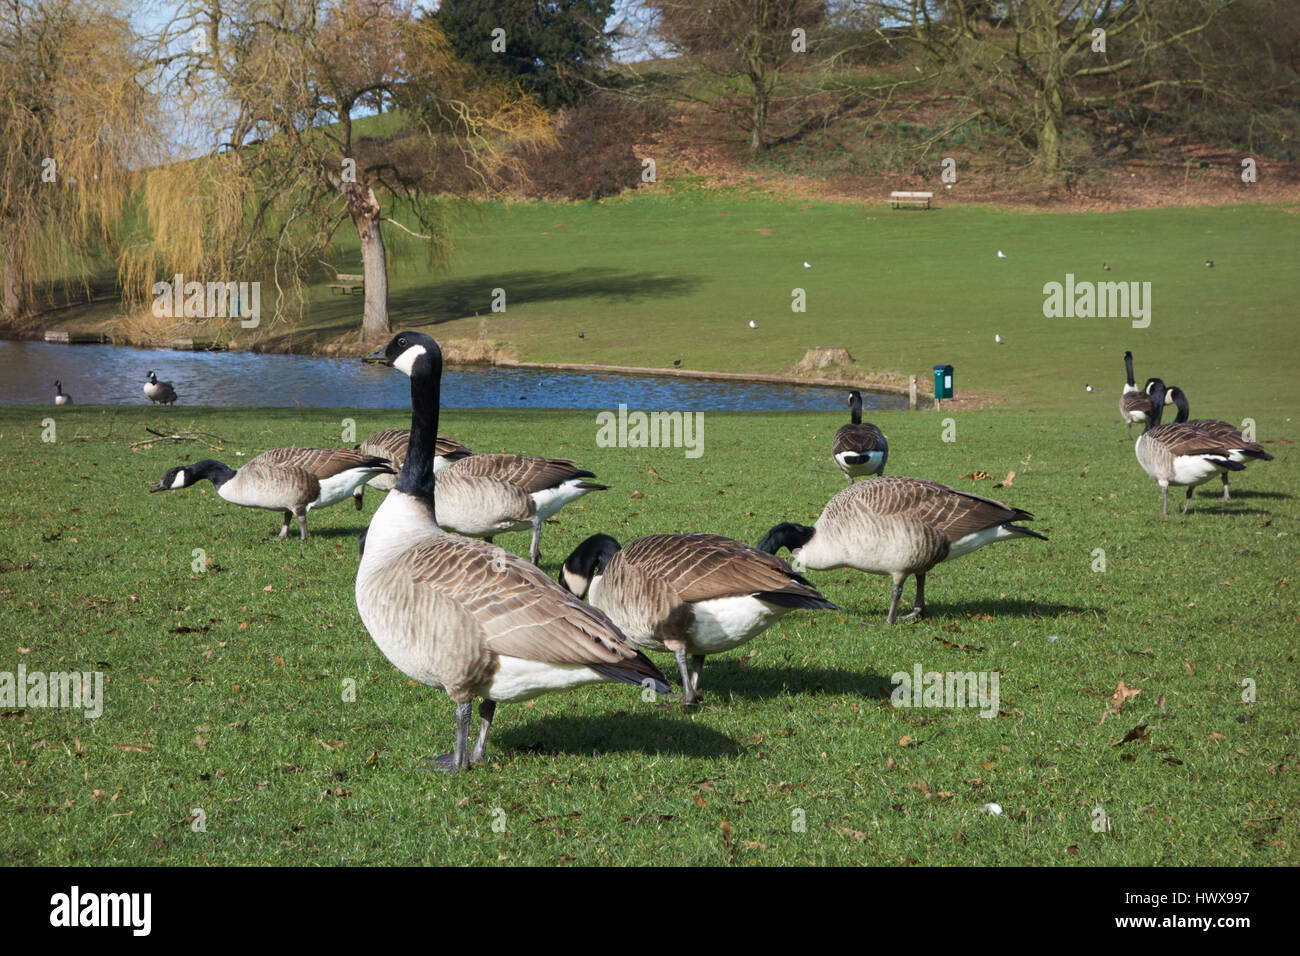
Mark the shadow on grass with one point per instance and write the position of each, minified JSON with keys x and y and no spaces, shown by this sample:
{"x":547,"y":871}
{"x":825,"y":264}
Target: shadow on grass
{"x":722,"y":678}
{"x":651,"y":731}
{"x":447,"y":299}
{"x":1238,"y":493}
{"x":940,"y":612}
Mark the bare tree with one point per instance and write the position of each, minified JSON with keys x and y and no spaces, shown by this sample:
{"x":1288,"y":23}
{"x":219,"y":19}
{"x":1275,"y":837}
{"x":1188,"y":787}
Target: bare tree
{"x":284,"y":81}
{"x":755,"y":40}
{"x":1036,"y":66}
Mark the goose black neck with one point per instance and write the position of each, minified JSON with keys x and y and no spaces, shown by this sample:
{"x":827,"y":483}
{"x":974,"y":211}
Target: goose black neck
{"x":1179,"y":399}
{"x":855,"y":406}
{"x":416,"y":476}
{"x":214,"y":471}
{"x":1157,"y":407}
{"x":1128,"y":367}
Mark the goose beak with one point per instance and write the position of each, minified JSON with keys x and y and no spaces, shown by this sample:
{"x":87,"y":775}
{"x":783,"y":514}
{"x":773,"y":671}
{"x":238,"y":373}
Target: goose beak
{"x":158,"y":487}
{"x":377,"y":356}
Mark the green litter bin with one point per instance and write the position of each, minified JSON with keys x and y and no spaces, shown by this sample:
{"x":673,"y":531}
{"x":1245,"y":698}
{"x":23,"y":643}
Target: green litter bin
{"x":943,"y":381}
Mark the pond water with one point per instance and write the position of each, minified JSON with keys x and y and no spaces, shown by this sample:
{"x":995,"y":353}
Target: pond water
{"x":115,"y":375}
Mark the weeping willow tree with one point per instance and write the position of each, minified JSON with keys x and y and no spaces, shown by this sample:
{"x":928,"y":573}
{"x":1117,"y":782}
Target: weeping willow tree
{"x":77,"y":123}
{"x":281,"y":83}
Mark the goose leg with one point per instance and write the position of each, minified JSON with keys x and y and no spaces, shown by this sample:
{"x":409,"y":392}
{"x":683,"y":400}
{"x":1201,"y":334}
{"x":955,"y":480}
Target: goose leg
{"x":1225,"y":487}
{"x":535,"y":549}
{"x":919,"y":609}
{"x":1188,"y":503}
{"x":357,"y":495}
{"x":1164,"y":497}
{"x":697,"y":665}
{"x":485,"y":711}
{"x":284,"y":530}
{"x":452,"y":762}
{"x":1130,"y":429}
{"x":302,"y":525}
{"x":688,"y":688}
{"x":895,"y":596}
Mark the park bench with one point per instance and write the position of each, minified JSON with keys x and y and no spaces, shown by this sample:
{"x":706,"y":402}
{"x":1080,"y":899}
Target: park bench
{"x":345,"y":285}
{"x":897,"y":199}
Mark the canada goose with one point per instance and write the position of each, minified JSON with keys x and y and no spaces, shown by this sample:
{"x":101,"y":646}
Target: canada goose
{"x":292,"y":480}
{"x":553,"y":483}
{"x":160,"y":392}
{"x":1181,"y":454}
{"x":391,"y":444}
{"x":691,"y":594}
{"x":1134,"y":405}
{"x":59,"y":397}
{"x":467,"y":615}
{"x":898,"y":526}
{"x":859,"y":449}
{"x":1243,"y":449}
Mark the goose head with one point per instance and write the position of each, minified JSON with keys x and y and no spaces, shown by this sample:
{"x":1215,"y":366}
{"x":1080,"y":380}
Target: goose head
{"x":411,"y":350}
{"x":182,"y":476}
{"x":583,"y":568}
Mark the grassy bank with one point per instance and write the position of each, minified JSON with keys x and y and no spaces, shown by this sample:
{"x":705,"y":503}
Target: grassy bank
{"x":225,"y":687}
{"x":678,"y":273}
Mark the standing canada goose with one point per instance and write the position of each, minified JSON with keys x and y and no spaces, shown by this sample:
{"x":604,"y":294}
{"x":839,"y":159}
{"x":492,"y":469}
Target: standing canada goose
{"x":160,"y":392}
{"x":859,"y":449}
{"x":59,"y":397}
{"x":292,"y":480}
{"x":466,"y":615}
{"x":1134,"y":405}
{"x":898,"y":526}
{"x":553,"y":483}
{"x":691,"y":594}
{"x":391,"y":444}
{"x":1243,"y":449}
{"x":1181,"y":454}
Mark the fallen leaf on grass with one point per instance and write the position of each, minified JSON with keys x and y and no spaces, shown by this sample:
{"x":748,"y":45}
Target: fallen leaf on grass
{"x":1117,"y":699}
{"x":1137,"y":733}
{"x":1006,"y":482}
{"x":1217,"y":736}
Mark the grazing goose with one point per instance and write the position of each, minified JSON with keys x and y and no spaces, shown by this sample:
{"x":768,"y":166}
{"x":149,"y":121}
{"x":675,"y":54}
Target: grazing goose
{"x":898,"y":526}
{"x":292,"y":480}
{"x":553,"y":483}
{"x":691,"y":594}
{"x":391,"y":444}
{"x":1134,"y":405}
{"x":59,"y":397}
{"x":1181,"y":454}
{"x":1243,"y":449}
{"x":466,"y":615}
{"x":859,"y":449}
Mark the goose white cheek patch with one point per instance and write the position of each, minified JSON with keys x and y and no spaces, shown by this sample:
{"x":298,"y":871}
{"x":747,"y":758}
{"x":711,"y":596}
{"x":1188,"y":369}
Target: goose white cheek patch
{"x":406,"y":360}
{"x":179,"y":481}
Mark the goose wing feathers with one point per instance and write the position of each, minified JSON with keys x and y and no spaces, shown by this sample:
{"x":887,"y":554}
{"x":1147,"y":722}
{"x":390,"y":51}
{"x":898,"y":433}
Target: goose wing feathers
{"x":264,"y":483}
{"x":392,"y":443}
{"x":952,"y":513}
{"x":1184,"y":440}
{"x":852,"y":438}
{"x":533,"y":474}
{"x":701,"y":567}
{"x":1231,"y":436}
{"x":515,"y":608}
{"x":321,"y":462}
{"x":1135,"y":402}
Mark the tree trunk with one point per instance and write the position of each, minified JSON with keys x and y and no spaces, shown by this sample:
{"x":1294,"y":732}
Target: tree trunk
{"x":11,"y":300}
{"x":365,"y":212}
{"x":1050,"y":129}
{"x":758,"y":121}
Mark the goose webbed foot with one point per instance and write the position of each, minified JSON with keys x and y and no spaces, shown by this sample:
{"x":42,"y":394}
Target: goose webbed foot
{"x":459,"y":759}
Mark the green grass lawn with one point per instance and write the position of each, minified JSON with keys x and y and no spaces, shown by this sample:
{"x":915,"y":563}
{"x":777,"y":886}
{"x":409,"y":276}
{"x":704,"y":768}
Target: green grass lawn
{"x":225,"y":689}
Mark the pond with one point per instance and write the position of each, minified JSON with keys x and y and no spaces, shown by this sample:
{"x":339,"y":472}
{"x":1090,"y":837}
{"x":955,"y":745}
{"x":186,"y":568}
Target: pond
{"x":115,"y":375}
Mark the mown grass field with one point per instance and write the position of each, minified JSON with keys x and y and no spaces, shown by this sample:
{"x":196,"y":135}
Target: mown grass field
{"x":225,"y":688}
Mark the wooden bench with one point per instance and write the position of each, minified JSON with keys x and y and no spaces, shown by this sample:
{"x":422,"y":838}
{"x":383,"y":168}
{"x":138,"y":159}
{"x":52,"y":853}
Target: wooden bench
{"x":344,"y":286}
{"x":897,"y":199}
